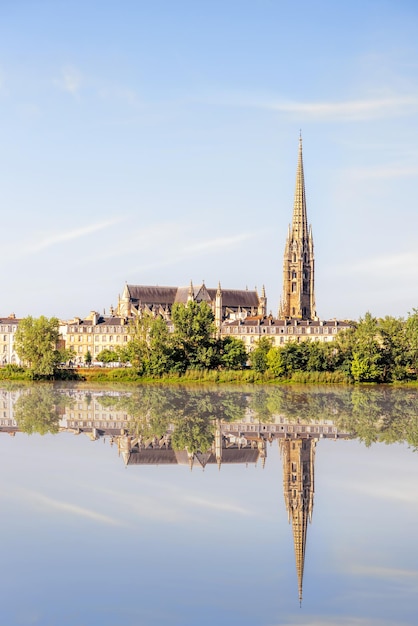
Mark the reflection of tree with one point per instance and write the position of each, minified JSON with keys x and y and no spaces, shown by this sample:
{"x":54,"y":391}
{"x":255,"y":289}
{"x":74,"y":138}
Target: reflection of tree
{"x":370,"y":413}
{"x":38,"y":411}
{"x":385,"y":415}
{"x":194,"y":434}
{"x":188,"y":412}
{"x":303,"y":403}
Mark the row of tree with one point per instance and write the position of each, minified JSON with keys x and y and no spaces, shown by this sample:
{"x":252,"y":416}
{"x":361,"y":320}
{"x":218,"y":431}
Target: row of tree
{"x":154,"y":350}
{"x":372,"y":350}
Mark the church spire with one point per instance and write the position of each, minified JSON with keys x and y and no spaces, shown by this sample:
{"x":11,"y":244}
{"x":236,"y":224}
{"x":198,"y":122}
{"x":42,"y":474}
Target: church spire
{"x":298,"y":299}
{"x":300,"y":219}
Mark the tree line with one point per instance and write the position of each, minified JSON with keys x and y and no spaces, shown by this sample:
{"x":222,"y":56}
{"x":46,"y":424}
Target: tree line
{"x":376,"y":350}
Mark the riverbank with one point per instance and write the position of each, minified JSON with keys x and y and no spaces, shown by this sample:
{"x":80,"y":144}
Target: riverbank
{"x":130,"y":376}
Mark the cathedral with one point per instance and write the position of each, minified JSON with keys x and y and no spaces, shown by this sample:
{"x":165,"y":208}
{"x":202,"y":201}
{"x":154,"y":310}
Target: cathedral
{"x":243,"y":313}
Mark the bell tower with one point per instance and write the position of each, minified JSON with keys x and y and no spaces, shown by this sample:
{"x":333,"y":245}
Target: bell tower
{"x":298,"y":298}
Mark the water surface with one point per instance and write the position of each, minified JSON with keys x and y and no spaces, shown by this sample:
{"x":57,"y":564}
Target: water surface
{"x":108,"y":520}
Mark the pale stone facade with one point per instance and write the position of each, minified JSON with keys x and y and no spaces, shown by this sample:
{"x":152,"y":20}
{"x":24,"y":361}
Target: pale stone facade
{"x":280,"y":331}
{"x":94,"y":334}
{"x":8,"y":326}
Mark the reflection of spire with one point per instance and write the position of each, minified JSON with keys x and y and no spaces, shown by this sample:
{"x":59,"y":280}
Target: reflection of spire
{"x":298,"y":456}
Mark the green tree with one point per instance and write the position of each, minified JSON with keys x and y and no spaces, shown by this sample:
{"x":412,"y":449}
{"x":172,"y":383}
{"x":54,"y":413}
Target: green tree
{"x":367,"y":362}
{"x":393,"y":348}
{"x":194,"y":344}
{"x":36,"y":341}
{"x":233,"y":354}
{"x":276,"y":362}
{"x":258,"y":357}
{"x":88,"y":358}
{"x":107,"y":356}
{"x":150,"y":348}
{"x":411,"y":340}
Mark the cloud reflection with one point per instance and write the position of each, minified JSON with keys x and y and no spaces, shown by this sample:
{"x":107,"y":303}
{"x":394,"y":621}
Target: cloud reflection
{"x":67,"y":507}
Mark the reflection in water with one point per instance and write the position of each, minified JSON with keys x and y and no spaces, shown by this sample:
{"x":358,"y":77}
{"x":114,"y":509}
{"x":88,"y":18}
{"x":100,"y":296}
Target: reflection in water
{"x":298,"y":456}
{"x":155,"y":426}
{"x":198,"y":427}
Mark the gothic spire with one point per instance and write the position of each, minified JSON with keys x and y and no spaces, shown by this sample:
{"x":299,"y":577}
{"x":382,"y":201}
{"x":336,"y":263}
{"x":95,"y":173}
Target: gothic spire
{"x":300,"y":219}
{"x":298,"y":298}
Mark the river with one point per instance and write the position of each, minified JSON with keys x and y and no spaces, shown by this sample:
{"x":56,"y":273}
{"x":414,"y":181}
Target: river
{"x":209,"y":505}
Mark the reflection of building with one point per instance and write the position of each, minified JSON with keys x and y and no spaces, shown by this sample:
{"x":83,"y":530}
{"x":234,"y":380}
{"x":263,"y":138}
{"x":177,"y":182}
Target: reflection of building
{"x":227,"y":448}
{"x":7,"y":421}
{"x":298,"y":456}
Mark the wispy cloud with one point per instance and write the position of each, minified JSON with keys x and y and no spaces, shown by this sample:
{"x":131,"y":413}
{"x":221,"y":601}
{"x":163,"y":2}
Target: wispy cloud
{"x":386,"y":266}
{"x":217,"y":243}
{"x":70,"y":80}
{"x":385,"y":572}
{"x":350,"y":110}
{"x":383,"y":172}
{"x":343,"y":111}
{"x":218,"y":505}
{"x":172,"y":239}
{"x":387,"y":492}
{"x":120,"y":94}
{"x":56,"y":238}
{"x":73,"y":509}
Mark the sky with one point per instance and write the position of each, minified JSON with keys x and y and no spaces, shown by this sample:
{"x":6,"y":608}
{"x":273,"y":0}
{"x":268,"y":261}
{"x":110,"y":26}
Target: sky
{"x":156,"y":143}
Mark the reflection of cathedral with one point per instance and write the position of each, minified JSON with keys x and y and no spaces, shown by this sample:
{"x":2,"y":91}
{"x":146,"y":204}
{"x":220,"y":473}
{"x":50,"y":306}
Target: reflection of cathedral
{"x":298,"y":456}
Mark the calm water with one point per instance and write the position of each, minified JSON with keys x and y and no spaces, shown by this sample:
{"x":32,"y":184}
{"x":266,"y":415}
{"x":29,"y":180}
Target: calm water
{"x":191,"y":506}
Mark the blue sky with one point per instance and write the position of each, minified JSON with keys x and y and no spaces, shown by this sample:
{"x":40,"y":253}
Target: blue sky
{"x":156,"y":142}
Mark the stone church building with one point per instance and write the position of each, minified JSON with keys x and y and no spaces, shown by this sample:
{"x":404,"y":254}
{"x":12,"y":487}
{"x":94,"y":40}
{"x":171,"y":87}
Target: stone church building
{"x":243,"y":313}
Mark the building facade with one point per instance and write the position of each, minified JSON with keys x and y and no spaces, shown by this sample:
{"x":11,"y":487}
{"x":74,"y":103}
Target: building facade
{"x":94,"y":334}
{"x":8,"y":326}
{"x":282,"y":331}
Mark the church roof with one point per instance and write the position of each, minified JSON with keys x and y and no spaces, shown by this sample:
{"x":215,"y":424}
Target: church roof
{"x":236,"y":297}
{"x":152,"y":294}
